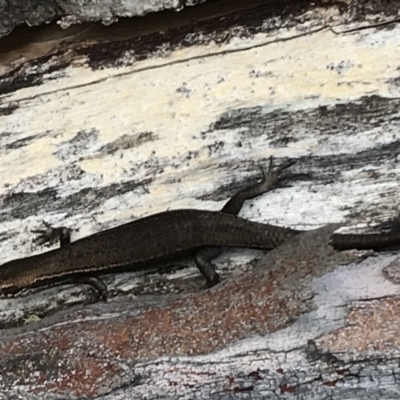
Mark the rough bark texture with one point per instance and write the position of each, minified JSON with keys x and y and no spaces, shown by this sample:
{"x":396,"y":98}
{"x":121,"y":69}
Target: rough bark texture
{"x":66,"y":13}
{"x":101,"y":125}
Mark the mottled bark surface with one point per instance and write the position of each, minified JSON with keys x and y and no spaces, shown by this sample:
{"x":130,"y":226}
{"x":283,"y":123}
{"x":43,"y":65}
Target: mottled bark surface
{"x":102,"y":125}
{"x":67,"y":13}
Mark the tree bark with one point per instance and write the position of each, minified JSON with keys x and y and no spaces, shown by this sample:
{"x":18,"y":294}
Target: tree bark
{"x":102,"y":125}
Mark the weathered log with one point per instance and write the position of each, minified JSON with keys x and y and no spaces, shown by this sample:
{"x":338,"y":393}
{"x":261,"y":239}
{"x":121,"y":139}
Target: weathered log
{"x":99,"y":126}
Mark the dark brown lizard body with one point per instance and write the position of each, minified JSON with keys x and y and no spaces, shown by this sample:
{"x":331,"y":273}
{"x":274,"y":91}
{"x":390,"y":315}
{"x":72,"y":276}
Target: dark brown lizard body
{"x":148,"y":241}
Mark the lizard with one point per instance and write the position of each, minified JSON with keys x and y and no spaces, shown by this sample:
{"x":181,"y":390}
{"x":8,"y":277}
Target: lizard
{"x":148,"y":241}
{"x":382,"y":236}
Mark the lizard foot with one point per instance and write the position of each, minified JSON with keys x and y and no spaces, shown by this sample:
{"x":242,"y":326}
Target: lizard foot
{"x":269,"y":181}
{"x":51,"y":234}
{"x":271,"y":175}
{"x":96,"y":283}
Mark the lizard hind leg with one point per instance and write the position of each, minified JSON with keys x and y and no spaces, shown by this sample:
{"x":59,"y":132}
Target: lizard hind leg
{"x":203,"y":262}
{"x":269,"y":181}
{"x":204,"y":256}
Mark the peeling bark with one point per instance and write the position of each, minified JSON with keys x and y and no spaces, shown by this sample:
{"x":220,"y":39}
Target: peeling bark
{"x":68,"y":13}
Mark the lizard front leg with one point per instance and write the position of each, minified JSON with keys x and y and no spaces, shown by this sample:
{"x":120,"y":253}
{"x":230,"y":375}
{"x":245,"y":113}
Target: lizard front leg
{"x":51,"y":234}
{"x":63,"y":235}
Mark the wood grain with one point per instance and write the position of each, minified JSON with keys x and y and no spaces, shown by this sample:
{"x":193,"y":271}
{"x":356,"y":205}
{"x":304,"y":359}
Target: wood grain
{"x":98,"y":129}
